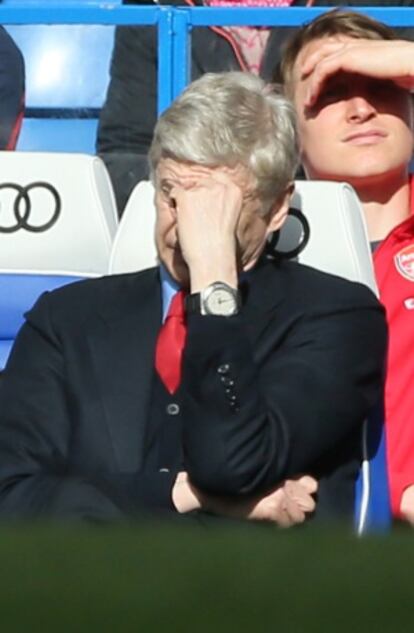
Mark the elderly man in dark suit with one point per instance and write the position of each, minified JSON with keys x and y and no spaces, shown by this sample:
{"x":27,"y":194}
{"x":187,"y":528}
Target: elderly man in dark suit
{"x":214,"y":380}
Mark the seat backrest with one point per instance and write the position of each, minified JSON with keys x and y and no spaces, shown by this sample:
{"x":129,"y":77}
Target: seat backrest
{"x":134,"y":247}
{"x":18,"y":292}
{"x":58,"y":135}
{"x":337,"y":243}
{"x":57,"y":213}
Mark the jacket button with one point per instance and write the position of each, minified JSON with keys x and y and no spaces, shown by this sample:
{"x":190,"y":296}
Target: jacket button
{"x":173,"y":408}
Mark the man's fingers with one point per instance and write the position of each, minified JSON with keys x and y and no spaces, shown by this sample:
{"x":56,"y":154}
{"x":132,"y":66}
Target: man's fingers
{"x":287,"y":513}
{"x":309,"y":483}
{"x":305,"y":501}
{"x":301,"y":493}
{"x":327,"y":49}
{"x":320,"y":66}
{"x":295,"y":513}
{"x":325,"y":69}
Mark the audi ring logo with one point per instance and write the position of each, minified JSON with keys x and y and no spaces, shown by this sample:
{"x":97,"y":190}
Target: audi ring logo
{"x":23,"y":207}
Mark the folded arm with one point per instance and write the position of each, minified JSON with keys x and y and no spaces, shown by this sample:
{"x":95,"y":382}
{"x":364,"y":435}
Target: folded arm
{"x":45,"y":471}
{"x":254,"y":418}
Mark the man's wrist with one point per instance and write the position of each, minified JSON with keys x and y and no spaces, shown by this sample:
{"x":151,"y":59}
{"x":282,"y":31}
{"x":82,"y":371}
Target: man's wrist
{"x":203,"y":274}
{"x":217,"y":299}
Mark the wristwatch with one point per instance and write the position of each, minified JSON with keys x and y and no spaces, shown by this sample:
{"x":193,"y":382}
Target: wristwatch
{"x":218,"y":299}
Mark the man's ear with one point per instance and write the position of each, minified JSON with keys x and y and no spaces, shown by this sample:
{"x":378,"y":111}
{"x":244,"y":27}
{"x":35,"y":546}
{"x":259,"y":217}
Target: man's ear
{"x":279,"y":210}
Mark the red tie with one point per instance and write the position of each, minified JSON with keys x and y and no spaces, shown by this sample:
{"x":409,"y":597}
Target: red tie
{"x":170,"y":344}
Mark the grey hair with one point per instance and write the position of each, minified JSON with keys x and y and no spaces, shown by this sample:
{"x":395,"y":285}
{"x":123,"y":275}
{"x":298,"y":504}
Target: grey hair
{"x":230,"y":118}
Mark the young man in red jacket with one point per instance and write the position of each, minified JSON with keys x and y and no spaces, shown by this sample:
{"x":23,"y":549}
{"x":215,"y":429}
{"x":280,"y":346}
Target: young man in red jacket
{"x":350,"y":80}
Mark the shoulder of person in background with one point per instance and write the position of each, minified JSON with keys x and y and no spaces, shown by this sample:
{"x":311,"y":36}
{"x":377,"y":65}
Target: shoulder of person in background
{"x":12,"y":91}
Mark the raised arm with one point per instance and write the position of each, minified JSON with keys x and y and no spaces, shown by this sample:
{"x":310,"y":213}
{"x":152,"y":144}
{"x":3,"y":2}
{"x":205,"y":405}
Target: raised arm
{"x":383,"y":59}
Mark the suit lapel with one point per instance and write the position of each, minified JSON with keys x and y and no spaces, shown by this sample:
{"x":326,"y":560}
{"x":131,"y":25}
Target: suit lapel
{"x":122,"y":347}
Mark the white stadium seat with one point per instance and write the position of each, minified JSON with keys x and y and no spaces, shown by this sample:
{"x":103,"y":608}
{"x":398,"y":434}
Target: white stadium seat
{"x":57,"y":213}
{"x":134,"y":247}
{"x":57,"y":222}
{"x":338,"y":240}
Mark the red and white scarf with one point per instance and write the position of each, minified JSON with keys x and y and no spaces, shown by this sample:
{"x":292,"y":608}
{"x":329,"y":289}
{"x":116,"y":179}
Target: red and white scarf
{"x":251,"y":40}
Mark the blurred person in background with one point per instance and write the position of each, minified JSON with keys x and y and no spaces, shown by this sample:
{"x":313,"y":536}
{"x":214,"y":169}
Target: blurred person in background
{"x":129,"y":113}
{"x":125,"y":398}
{"x":351,"y":82}
{"x":12,"y":91}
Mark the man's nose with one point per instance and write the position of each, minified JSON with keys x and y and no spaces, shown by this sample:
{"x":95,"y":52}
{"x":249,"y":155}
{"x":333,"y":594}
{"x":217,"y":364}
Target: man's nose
{"x":359,"y":108}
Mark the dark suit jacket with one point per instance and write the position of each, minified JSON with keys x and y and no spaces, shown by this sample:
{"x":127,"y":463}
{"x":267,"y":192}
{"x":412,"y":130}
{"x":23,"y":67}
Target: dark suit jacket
{"x":305,"y":361}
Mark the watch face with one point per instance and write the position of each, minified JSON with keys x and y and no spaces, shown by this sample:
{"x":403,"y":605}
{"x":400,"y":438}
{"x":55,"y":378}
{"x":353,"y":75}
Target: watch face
{"x":221,"y":302}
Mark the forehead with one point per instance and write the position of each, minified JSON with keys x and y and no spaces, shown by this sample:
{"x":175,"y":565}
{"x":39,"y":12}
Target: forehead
{"x":173,"y":172}
{"x":177,"y":171}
